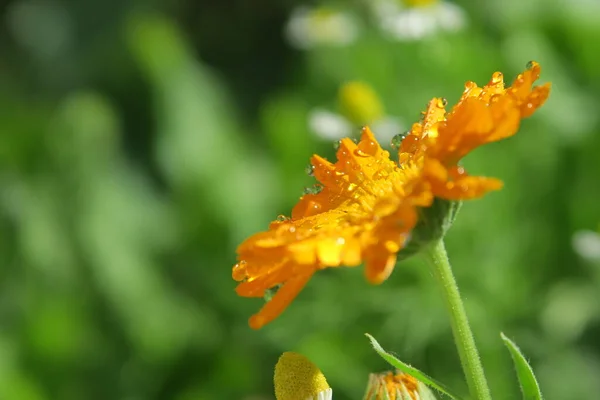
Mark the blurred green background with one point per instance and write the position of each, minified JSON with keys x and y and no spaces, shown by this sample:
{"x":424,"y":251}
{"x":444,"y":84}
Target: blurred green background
{"x":142,"y":140}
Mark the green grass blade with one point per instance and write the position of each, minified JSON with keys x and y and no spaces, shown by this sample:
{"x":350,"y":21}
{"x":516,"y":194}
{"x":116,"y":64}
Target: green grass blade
{"x":529,"y":385}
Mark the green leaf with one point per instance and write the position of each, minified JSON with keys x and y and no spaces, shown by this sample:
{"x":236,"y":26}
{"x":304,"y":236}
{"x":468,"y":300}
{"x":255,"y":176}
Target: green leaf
{"x":415,"y":373}
{"x":529,"y":385}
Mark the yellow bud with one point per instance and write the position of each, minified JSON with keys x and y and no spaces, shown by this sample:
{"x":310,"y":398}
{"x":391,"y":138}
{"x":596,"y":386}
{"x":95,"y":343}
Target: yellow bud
{"x":297,"y":378}
{"x":419,"y":3}
{"x":359,"y":103}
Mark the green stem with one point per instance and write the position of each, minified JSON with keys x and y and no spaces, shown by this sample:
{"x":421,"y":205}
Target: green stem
{"x":469,"y":356}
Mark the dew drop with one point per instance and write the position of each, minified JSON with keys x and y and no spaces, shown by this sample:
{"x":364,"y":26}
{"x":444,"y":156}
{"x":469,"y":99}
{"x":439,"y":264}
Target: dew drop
{"x":315,"y":189}
{"x":360,"y":153}
{"x":313,"y":209}
{"x":520,"y":79}
{"x":282,"y":218}
{"x":497,"y":77}
{"x":530,"y":64}
{"x":397,"y":139}
{"x":269,"y":293}
{"x":470,"y":85}
{"x":370,"y":147}
{"x":310,"y":170}
{"x":337,"y":144}
{"x":239,"y":271}
{"x":410,"y":144}
{"x":441,"y":103}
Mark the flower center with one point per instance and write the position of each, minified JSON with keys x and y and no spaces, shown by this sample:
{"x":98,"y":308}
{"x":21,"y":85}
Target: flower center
{"x":360,"y":103}
{"x":296,"y":377}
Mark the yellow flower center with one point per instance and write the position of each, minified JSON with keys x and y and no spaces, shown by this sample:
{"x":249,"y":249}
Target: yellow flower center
{"x":360,"y":103}
{"x":393,"y":387}
{"x":419,"y":3}
{"x":297,"y":378}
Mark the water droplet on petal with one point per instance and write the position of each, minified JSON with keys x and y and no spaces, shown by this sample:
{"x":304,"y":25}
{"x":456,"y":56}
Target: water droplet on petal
{"x":520,"y":79}
{"x":310,"y":170}
{"x":495,"y":98}
{"x":313,"y":208}
{"x":360,"y":153}
{"x":410,"y":144}
{"x":530,"y":64}
{"x":315,"y":189}
{"x":497,"y":77}
{"x":337,"y":144}
{"x":397,"y":139}
{"x":269,"y":293}
{"x":470,"y":85}
{"x":441,"y":103}
{"x":239,"y":271}
{"x":282,"y":218}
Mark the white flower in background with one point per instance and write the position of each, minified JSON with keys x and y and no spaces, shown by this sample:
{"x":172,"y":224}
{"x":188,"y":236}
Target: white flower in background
{"x":587,"y":245}
{"x":297,"y":378}
{"x":415,"y":19}
{"x":359,"y":106}
{"x":310,"y":27}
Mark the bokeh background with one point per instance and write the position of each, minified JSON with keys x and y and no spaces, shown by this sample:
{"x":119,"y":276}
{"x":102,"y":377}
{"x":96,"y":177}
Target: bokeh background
{"x":142,"y":140}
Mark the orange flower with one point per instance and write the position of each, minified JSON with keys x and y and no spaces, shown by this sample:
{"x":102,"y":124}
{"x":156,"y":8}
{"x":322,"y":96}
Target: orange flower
{"x":364,"y":212}
{"x":482,"y":115}
{"x":367,"y":204}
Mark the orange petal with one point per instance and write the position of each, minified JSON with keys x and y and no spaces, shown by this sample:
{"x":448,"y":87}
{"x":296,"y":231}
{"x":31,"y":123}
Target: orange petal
{"x":280,"y":301}
{"x":379,"y":266}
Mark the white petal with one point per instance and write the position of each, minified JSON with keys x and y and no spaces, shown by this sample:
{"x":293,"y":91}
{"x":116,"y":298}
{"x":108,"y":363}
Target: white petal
{"x":411,"y":24}
{"x":297,"y":29}
{"x":324,"y":395}
{"x":587,"y":245}
{"x":305,"y":30}
{"x":414,"y":23}
{"x":328,"y":125}
{"x":451,"y":17}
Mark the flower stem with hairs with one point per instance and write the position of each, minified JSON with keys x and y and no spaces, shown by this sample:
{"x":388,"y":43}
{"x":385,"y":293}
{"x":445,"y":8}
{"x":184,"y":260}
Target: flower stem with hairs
{"x":463,"y":336}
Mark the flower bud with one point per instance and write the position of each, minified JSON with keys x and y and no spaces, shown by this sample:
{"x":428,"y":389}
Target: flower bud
{"x":399,"y":386}
{"x":297,"y":378}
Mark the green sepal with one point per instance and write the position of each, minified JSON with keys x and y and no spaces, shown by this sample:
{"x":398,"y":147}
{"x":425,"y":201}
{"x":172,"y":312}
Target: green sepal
{"x":433,"y":223}
{"x":529,"y":385}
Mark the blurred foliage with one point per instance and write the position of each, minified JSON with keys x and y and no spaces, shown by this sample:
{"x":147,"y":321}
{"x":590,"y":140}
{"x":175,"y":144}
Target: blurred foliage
{"x":141,"y":141}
